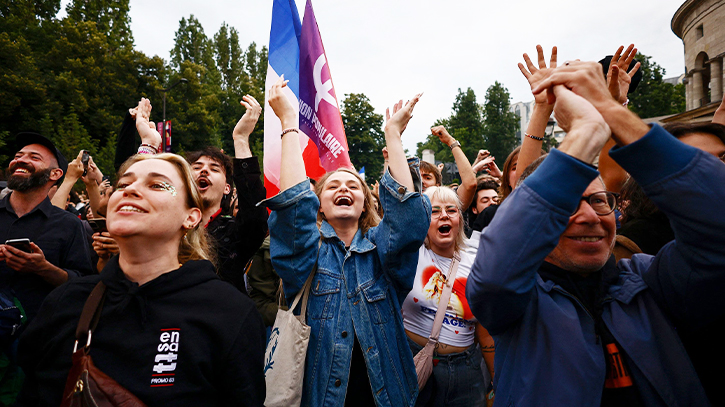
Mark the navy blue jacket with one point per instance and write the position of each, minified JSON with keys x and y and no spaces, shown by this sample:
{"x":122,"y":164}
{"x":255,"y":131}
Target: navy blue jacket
{"x":547,"y":352}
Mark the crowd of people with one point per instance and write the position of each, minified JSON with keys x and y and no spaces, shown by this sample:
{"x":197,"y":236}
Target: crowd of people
{"x":589,"y":275}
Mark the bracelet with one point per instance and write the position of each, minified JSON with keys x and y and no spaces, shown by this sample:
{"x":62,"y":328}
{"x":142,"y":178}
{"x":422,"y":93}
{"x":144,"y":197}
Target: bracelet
{"x":455,"y":144}
{"x":534,"y":137}
{"x":156,"y":149}
{"x":290,"y":130}
{"x":145,"y":149}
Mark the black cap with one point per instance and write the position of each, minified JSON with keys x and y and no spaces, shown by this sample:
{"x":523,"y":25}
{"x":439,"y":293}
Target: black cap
{"x":635,"y":79}
{"x":26,"y":138}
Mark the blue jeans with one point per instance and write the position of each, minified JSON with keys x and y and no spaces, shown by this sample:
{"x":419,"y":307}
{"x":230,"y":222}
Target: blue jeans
{"x":457,"y":379}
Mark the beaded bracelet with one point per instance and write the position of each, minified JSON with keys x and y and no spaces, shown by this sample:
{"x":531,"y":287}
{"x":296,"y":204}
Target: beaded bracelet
{"x":534,"y":137}
{"x":156,"y":149}
{"x":289,"y":131}
{"x":145,"y":149}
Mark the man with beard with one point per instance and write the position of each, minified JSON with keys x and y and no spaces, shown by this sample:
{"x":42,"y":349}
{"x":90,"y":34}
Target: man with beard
{"x":234,"y":239}
{"x":58,"y":248}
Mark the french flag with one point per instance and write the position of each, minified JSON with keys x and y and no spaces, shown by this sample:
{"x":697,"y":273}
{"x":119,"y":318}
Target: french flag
{"x":296,"y":51}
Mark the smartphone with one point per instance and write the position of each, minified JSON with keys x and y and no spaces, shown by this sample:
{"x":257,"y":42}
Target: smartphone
{"x":84,"y":160}
{"x":98,"y":225}
{"x":20,"y":244}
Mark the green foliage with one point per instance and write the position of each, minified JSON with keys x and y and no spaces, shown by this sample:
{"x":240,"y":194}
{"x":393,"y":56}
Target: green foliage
{"x":465,"y":125}
{"x":365,"y":136}
{"x":655,"y":97}
{"x":500,"y":123}
{"x":74,"y":79}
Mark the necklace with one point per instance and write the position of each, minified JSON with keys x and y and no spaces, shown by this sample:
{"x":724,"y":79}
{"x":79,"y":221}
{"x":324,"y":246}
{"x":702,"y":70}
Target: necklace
{"x":434,"y":257}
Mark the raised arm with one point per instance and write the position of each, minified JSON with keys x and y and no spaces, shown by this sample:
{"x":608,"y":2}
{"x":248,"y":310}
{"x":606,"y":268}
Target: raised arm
{"x":394,"y":127}
{"x":467,"y":190}
{"x":618,"y":81}
{"x":251,"y":220}
{"x":293,"y":166}
{"x":535,"y":132}
{"x":245,"y":127}
{"x":75,"y":171}
{"x":719,"y":116}
{"x":150,"y":137}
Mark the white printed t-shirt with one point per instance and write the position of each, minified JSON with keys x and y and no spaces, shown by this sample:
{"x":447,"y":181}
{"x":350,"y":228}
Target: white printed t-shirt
{"x":421,"y":304}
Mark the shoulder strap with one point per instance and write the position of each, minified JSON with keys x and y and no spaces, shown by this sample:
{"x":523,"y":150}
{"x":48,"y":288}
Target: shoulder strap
{"x":304,"y":293}
{"x":91,"y":314}
{"x":445,"y":297}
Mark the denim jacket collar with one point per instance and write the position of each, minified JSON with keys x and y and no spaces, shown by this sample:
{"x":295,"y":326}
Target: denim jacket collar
{"x":360,"y":244}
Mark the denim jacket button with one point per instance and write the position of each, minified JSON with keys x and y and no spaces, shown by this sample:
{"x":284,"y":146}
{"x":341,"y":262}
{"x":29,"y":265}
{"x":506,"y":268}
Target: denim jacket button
{"x":338,"y":383}
{"x":344,"y":334}
{"x":401,"y":190}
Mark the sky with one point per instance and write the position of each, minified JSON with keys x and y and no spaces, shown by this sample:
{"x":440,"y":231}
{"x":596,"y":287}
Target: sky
{"x":392,"y":49}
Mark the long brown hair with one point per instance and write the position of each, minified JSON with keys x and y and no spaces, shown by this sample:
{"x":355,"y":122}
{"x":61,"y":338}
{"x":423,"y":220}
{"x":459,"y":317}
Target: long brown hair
{"x":505,"y":189}
{"x":194,"y":245}
{"x":369,"y":217}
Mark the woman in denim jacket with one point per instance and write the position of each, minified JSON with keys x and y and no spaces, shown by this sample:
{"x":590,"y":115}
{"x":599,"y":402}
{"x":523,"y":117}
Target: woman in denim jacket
{"x":358,"y":352}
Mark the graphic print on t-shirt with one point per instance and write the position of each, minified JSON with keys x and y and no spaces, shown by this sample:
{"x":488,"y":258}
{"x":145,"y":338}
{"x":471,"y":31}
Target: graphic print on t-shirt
{"x":422,"y":302}
{"x":433,"y":280}
{"x":166,"y":358}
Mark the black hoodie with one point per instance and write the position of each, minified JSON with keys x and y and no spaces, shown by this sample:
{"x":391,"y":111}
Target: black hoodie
{"x":183,"y":339}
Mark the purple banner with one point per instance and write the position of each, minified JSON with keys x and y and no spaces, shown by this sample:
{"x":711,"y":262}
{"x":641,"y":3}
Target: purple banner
{"x":319,"y":112}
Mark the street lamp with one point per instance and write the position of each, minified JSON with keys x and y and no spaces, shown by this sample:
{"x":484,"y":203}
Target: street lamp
{"x":163,"y":127}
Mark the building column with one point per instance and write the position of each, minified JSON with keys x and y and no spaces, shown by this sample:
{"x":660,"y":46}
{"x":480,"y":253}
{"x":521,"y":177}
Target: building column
{"x":688,"y":92}
{"x":716,"y":80}
{"x":697,"y":94}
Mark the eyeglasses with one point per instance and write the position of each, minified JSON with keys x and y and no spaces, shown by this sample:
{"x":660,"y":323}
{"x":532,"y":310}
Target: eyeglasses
{"x":603,"y":203}
{"x":450,"y":211}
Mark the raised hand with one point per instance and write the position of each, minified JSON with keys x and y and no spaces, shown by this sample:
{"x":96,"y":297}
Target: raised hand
{"x":281,"y":105}
{"x":618,"y":79}
{"x":583,"y":78}
{"x":534,"y":74}
{"x":146,"y":129}
{"x":443,"y":135}
{"x":94,"y":174}
{"x":401,"y":115}
{"x":245,"y":125}
{"x":75,"y":168}
{"x":482,"y":154}
{"x":587,"y":132}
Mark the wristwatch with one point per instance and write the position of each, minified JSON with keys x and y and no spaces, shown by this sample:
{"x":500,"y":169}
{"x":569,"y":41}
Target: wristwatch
{"x":455,"y":144}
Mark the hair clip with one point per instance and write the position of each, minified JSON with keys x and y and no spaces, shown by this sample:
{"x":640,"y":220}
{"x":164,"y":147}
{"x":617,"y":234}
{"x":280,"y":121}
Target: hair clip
{"x":169,"y":187}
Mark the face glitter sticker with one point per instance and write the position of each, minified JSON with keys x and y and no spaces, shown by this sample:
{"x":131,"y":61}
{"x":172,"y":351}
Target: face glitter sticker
{"x":168,"y":187}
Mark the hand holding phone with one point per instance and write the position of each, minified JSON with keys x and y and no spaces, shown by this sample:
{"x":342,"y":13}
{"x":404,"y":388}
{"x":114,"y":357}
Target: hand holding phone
{"x":84,"y":161}
{"x":20,"y":244}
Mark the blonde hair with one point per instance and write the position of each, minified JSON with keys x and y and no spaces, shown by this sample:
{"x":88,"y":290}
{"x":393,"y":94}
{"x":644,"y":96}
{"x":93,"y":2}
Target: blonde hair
{"x":194,"y":245}
{"x":369,"y":217}
{"x":447,"y":195}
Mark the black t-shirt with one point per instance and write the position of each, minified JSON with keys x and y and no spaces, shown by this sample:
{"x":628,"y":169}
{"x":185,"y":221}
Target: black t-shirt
{"x":590,"y":290}
{"x":485,"y":218}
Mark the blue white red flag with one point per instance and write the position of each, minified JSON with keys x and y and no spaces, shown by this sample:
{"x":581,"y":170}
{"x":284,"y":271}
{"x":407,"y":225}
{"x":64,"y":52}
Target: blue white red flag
{"x":296,"y":51}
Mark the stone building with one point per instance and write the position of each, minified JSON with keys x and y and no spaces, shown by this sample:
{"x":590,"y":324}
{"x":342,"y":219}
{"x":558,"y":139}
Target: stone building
{"x":701,"y":26}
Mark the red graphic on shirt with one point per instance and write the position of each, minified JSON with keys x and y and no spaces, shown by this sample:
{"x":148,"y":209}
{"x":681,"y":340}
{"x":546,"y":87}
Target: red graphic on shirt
{"x":433,"y":281}
{"x":617,"y":374}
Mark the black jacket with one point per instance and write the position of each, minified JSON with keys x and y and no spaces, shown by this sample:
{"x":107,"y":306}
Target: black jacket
{"x":183,"y":339}
{"x":237,"y":239}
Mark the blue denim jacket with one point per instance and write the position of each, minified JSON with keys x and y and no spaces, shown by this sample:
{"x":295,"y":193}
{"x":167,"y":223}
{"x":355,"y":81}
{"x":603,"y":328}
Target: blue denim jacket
{"x":355,"y":292}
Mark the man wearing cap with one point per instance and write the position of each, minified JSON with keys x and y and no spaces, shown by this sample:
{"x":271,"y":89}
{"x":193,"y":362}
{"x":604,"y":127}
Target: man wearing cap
{"x":58,"y":248}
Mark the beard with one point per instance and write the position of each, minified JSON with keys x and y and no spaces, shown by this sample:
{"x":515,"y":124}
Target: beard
{"x":37,"y":178}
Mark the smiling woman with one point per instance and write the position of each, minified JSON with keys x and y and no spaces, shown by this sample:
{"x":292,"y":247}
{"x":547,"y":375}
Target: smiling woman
{"x":361,"y":268}
{"x":170,"y":330}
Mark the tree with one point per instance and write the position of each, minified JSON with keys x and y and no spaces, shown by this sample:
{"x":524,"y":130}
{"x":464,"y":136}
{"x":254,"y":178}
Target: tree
{"x":465,"y":125}
{"x":111,"y":18}
{"x":499,"y":122}
{"x":365,"y":136}
{"x":655,"y":97}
